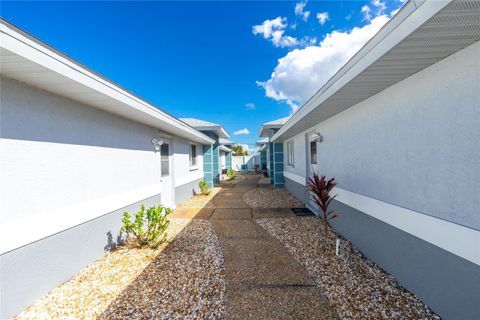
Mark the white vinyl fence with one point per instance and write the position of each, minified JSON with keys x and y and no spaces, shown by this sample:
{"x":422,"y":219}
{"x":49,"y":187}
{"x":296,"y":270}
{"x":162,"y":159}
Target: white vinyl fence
{"x":245,"y":163}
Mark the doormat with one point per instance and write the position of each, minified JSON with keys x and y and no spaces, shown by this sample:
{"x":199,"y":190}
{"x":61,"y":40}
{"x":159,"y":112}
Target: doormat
{"x":302,"y":212}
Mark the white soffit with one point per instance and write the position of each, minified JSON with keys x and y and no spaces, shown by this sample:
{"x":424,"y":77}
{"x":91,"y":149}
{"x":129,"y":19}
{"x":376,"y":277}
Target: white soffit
{"x":420,"y":35}
{"x":226,"y":149}
{"x":26,"y":59}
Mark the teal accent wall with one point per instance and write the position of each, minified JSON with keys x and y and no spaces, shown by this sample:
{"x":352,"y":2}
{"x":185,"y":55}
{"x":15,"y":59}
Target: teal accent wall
{"x":216,"y":163}
{"x":211,"y":161}
{"x":271,"y":162}
{"x":278,"y":180}
{"x":263,"y":158}
{"x":208,"y":164}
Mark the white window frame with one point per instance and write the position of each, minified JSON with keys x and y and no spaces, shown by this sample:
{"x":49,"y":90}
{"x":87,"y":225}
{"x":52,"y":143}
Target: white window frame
{"x":195,"y":166}
{"x":291,"y":153}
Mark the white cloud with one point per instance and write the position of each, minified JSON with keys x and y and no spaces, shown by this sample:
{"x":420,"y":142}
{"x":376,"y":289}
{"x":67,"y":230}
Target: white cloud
{"x":366,"y":13}
{"x":302,"y":72}
{"x":322,"y":17}
{"x":299,"y":10}
{"x":250,"y":106}
{"x":240,"y":132}
{"x":381,"y":6}
{"x":274,"y":30}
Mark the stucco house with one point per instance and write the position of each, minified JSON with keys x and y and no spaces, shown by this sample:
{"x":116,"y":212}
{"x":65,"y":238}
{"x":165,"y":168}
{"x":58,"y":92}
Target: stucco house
{"x":268,"y":149}
{"x":212,"y":167}
{"x":226,"y":154}
{"x":77,"y":151}
{"x":398,"y":126}
{"x":262,"y":149}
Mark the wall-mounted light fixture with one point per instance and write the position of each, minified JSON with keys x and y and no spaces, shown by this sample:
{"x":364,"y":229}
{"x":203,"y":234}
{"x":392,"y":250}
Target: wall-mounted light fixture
{"x":157,"y":144}
{"x":317,"y":137}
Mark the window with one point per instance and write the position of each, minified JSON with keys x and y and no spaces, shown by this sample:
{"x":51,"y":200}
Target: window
{"x":193,"y":155}
{"x":313,"y":152}
{"x":290,"y":153}
{"x":165,"y":157}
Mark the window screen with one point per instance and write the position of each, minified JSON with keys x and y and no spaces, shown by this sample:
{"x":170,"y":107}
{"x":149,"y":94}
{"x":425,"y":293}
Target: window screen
{"x":290,"y":153}
{"x":193,"y":155}
{"x":165,"y":160}
{"x":313,"y":152}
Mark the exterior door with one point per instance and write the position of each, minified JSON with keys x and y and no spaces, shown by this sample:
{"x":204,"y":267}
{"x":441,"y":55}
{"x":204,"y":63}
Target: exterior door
{"x":223,"y":160}
{"x":311,"y":164}
{"x":166,"y":174}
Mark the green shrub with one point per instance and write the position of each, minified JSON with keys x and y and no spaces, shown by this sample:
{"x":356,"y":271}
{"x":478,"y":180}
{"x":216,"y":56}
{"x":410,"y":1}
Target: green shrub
{"x":204,"y":187}
{"x":230,"y":173}
{"x":149,"y":227}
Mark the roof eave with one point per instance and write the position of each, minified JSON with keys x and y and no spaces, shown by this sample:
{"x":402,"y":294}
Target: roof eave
{"x":264,"y":130}
{"x":224,"y":148}
{"x":25,"y":46}
{"x":406,"y":21}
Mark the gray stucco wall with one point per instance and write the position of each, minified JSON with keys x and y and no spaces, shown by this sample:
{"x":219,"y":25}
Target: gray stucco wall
{"x":297,"y":190}
{"x":445,"y":282}
{"x":185,"y":191}
{"x":414,"y":145}
{"x":31,"y":271}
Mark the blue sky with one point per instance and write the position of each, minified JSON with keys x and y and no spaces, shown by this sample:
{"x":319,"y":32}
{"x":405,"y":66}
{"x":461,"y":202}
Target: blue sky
{"x":210,"y":60}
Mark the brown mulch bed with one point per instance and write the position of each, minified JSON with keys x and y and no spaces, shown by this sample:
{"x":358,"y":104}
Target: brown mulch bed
{"x":355,"y":286}
{"x":181,"y":279}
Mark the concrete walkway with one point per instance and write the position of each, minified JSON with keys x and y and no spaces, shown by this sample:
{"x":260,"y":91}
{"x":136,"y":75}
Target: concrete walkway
{"x":263,"y":281}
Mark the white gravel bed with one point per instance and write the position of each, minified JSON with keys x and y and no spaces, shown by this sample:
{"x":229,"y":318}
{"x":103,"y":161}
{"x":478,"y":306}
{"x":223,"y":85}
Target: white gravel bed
{"x":271,"y":198}
{"x":237,"y":178}
{"x":200,"y":200}
{"x":355,"y":286}
{"x":181,"y":279}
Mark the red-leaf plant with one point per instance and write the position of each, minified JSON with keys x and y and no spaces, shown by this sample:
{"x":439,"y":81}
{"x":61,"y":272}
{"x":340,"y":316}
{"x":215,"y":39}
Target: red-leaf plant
{"x":321,"y":188}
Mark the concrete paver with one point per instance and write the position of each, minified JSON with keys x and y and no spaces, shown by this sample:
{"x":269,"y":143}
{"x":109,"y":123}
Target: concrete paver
{"x":263,"y":281}
{"x":192,"y":213}
{"x":232,"y":213}
{"x":229,"y":195}
{"x":230,"y":203}
{"x":259,"y":213}
{"x":238,"y":228}
{"x":261,"y":262}
{"x":278,"y":303}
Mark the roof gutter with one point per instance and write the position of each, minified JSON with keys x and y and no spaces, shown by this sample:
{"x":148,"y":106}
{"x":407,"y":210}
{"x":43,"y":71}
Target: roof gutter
{"x":22,"y":43}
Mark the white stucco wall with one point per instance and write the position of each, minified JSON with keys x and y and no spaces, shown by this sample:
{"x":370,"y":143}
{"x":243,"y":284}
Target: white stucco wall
{"x":63,"y":163}
{"x":183,"y":172}
{"x":414,"y":145}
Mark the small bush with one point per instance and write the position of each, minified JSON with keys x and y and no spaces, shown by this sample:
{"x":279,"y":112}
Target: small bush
{"x":230,"y":173}
{"x":149,"y":227}
{"x":204,"y":187}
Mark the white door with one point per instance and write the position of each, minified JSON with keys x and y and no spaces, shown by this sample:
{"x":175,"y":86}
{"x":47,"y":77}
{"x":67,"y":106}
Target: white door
{"x":311,"y":163}
{"x":223,"y":159}
{"x":166,"y":174}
